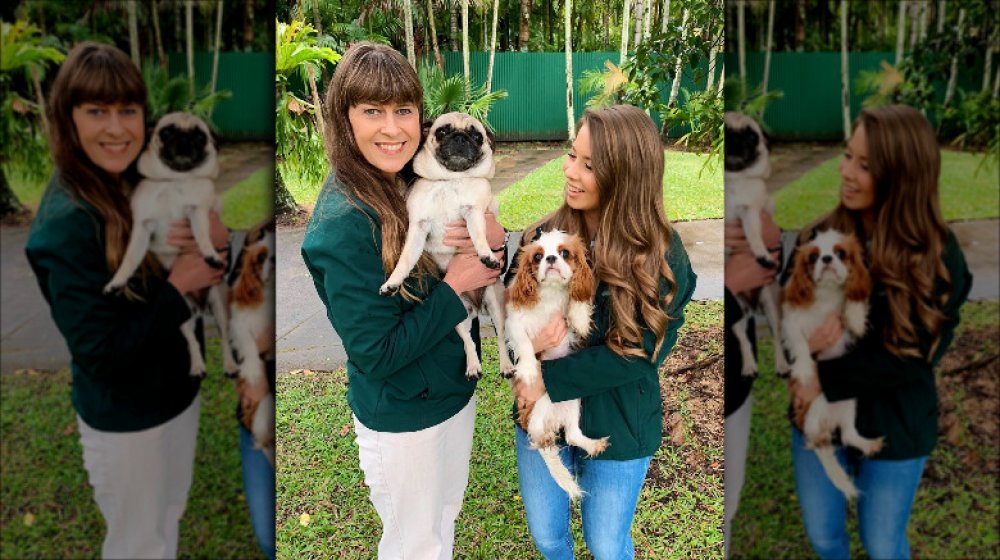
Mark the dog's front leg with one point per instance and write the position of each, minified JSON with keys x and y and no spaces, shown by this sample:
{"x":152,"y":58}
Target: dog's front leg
{"x":753,"y":229}
{"x":416,"y":239}
{"x":798,"y":347}
{"x":473,"y":369}
{"x":217,"y":297}
{"x":493,"y":297}
{"x":200,"y":227}
{"x":526,"y":370}
{"x":475,"y":221}
{"x":746,"y":349}
{"x":769,"y":301}
{"x":578,"y":317}
{"x":138,"y":245}
{"x":194,"y":349}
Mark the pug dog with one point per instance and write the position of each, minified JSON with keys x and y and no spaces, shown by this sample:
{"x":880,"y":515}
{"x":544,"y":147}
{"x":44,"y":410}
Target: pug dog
{"x":178,"y":168}
{"x":455,"y":165}
{"x":747,"y":165}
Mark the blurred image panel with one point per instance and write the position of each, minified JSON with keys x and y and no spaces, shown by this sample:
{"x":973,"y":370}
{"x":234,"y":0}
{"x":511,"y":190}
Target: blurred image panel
{"x":137,"y":416}
{"x":861,"y":158}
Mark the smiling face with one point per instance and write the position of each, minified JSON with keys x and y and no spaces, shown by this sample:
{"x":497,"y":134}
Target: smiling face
{"x":387,"y":134}
{"x":110,"y":134}
{"x":581,"y":183}
{"x":857,"y":188}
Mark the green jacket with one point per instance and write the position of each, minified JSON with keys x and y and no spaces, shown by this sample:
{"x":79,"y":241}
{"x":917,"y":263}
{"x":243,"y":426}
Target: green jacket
{"x":129,"y":360}
{"x":406,"y":362}
{"x":621,"y":396}
{"x":896,"y":396}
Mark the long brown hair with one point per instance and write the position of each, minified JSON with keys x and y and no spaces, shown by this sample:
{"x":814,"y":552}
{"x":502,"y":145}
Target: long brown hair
{"x":372,"y":73}
{"x":94,"y":72}
{"x":910,"y":233}
{"x":633,"y":233}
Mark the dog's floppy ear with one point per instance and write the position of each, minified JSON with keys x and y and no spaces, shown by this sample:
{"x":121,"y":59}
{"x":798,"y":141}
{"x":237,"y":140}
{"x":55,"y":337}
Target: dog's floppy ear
{"x":765,"y":137}
{"x":425,"y":128}
{"x":858,"y":285}
{"x":800,"y":290}
{"x":524,"y":291}
{"x":582,"y":285}
{"x":490,"y":137}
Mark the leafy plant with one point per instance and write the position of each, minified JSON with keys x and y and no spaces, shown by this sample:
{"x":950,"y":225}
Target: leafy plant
{"x":443,"y":94}
{"x":168,"y":94}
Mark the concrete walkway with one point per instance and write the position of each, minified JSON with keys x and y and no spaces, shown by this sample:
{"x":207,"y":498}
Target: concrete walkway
{"x":28,"y":336}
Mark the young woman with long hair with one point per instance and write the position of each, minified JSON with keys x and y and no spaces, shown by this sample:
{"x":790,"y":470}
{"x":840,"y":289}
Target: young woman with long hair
{"x":413,"y":407}
{"x":137,"y":405}
{"x":889,"y":199}
{"x":614,"y":201}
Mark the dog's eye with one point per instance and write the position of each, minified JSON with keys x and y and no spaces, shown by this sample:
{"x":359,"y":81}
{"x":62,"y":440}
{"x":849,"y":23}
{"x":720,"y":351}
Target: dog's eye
{"x":442,"y":132}
{"x":564,"y":254}
{"x":537,"y":258}
{"x":476,"y":137}
{"x":813,"y":258}
{"x":841,"y":254}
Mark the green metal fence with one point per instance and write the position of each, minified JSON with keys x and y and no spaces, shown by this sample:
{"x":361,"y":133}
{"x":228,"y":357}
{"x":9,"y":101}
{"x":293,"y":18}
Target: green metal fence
{"x":810,"y":108}
{"x":535,"y":108}
{"x":249,"y":113}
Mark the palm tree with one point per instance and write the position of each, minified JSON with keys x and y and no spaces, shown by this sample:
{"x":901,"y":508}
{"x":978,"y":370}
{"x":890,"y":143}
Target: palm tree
{"x":408,"y":21}
{"x":900,"y":31}
{"x":567,"y":23}
{"x":155,"y":12}
{"x":953,"y":75}
{"x":493,"y":47}
{"x":626,"y":8}
{"x":844,"y":91}
{"x":218,"y":45}
{"x":438,"y":59}
{"x":524,"y":27}
{"x":675,"y":86}
{"x":188,"y":17}
{"x":133,"y":33}
{"x":767,"y":52}
{"x":465,"y":45}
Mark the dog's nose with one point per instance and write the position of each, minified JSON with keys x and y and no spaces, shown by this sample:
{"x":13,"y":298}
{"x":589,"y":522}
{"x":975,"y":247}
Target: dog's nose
{"x":551,"y":259}
{"x":827,"y":259}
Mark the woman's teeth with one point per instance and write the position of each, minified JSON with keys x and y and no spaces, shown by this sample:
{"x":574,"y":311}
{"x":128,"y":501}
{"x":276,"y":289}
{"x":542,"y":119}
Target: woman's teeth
{"x":391,"y":149}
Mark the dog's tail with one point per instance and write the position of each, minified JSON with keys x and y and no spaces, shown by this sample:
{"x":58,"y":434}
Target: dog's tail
{"x":559,"y":472}
{"x":836,"y":473}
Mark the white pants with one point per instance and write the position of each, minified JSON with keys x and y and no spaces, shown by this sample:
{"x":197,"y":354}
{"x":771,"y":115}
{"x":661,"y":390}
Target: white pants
{"x":141,"y":482}
{"x":417,"y":481}
{"x":737,"y":430}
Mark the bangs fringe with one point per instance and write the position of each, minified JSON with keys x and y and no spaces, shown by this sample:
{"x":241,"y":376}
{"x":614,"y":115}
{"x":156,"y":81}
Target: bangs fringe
{"x":104,"y":80}
{"x":382,"y":82}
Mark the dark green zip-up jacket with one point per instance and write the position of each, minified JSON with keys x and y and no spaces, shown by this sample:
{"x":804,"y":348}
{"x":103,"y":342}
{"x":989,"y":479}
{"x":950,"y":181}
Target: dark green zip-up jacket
{"x":621,"y":396}
{"x":130,"y":362}
{"x":897,"y":397}
{"x":406,"y":362}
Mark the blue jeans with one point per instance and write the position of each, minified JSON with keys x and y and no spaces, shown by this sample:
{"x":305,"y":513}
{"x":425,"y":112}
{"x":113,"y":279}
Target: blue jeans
{"x":611,"y":492}
{"x":258,"y":485}
{"x":886,"y":490}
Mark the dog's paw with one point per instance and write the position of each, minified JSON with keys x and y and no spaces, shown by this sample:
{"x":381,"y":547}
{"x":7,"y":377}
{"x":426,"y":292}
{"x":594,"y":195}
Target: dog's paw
{"x":749,"y":370}
{"x":784,"y":373}
{"x":198,"y":372}
{"x":215,"y":263}
{"x":766,"y":262}
{"x":473,"y":374}
{"x":599,"y":447}
{"x":508,"y":373}
{"x":232,"y":374}
{"x":113,"y":289}
{"x":876,"y":445}
{"x":491,"y":262}
{"x":388,"y":290}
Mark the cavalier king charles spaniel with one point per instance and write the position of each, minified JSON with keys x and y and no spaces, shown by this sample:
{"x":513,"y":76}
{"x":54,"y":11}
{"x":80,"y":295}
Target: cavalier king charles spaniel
{"x":828,"y":276}
{"x":552,"y":276}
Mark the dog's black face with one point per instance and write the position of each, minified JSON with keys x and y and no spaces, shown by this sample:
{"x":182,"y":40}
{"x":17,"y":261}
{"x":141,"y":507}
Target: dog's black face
{"x":741,"y":147}
{"x":458,"y":149}
{"x":182,"y":149}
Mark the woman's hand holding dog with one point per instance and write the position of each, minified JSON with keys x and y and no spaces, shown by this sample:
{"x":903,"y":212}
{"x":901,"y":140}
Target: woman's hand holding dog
{"x":190,"y":272}
{"x":551,"y":334}
{"x":827,"y":334}
{"x":466,"y":272}
{"x":742,"y":271}
{"x":457,"y":234}
{"x":525,"y":395}
{"x":735,"y":238}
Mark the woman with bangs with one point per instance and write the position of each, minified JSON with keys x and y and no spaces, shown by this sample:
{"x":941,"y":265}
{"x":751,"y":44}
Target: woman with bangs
{"x":137,"y":406}
{"x":413,"y":408}
{"x":614,"y":201}
{"x":889,"y":200}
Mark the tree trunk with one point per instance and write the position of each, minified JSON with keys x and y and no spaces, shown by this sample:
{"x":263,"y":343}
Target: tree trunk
{"x":493,"y":48}
{"x":996,"y":85}
{"x":767,"y":52}
{"x":640,"y":7}
{"x":9,"y":204}
{"x":178,"y":35}
{"x":568,"y":27}
{"x":40,"y":99}
{"x":284,"y":203}
{"x":317,"y":103}
{"x":741,"y":45}
{"x":465,"y":46}
{"x":988,"y":65}
{"x":800,"y":26}
{"x":159,"y":37}
{"x":247,"y":25}
{"x":189,"y":26}
{"x":666,"y":16}
{"x":953,"y":75}
{"x":626,"y":8}
{"x":647,"y":21}
{"x":133,"y":34}
{"x":942,"y":11}
{"x":317,"y":20}
{"x":524,"y":30}
{"x":453,"y":37}
{"x":900,"y":31}
{"x":675,"y":87}
{"x":914,"y":24}
{"x":408,"y":26}
{"x":438,"y":59}
{"x":844,"y":90}
{"x":722,"y":78}
{"x":218,"y":46}
{"x":924,"y":10}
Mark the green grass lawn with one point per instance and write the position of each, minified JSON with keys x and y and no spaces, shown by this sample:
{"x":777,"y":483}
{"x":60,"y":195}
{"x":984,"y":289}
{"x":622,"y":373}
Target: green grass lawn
{"x":956,"y":507}
{"x":323,"y":507}
{"x":48,"y":510}
{"x":686,"y":195}
{"x":965,"y":194}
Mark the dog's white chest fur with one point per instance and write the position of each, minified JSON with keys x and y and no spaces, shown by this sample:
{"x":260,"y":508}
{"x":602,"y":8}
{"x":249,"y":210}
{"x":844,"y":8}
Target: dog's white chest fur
{"x":434,"y":203}
{"x":158,"y":203}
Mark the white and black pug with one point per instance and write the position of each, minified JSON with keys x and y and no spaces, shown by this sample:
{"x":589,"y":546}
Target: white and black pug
{"x":455,"y":165}
{"x":178,"y":167}
{"x":747,"y":166}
